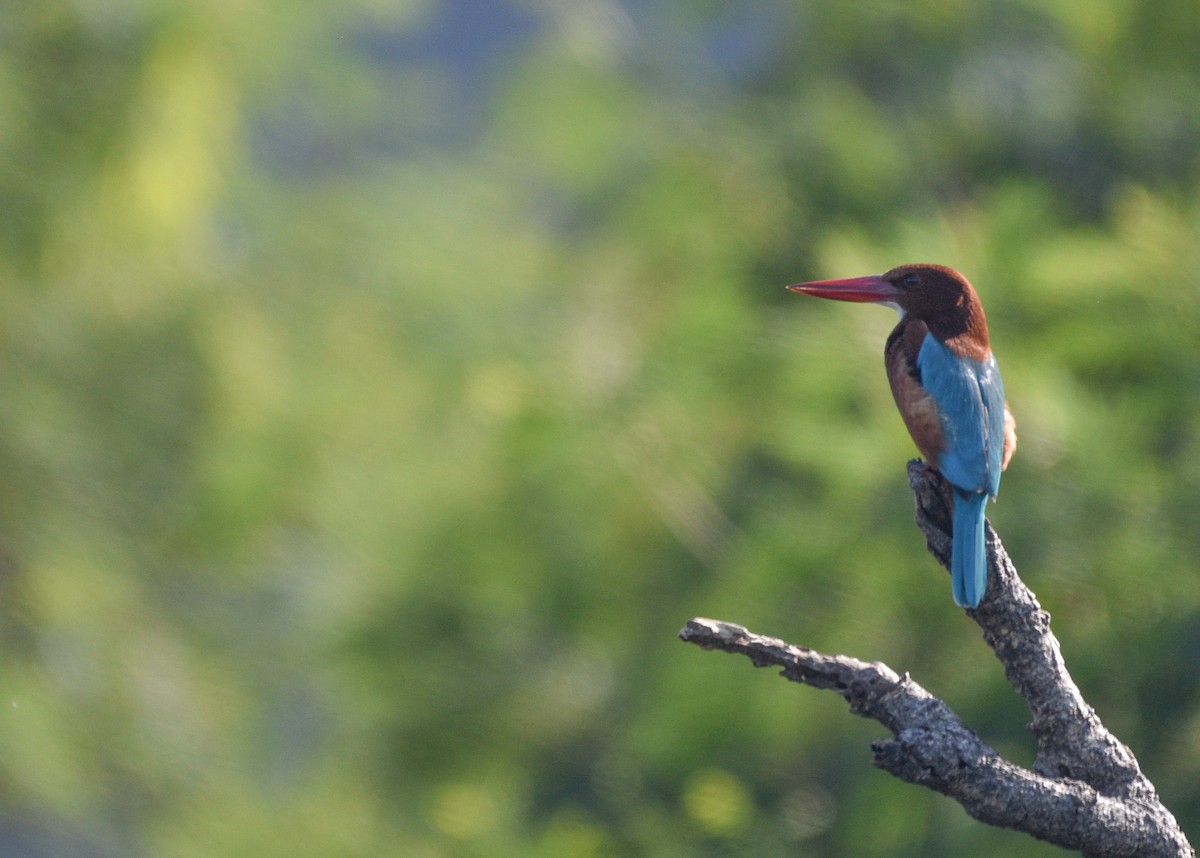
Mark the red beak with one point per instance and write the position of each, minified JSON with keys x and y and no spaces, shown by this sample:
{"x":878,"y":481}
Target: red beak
{"x":861,"y":289}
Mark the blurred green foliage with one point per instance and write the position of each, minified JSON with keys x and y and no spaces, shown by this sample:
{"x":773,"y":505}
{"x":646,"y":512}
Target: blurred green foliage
{"x":384,"y":384}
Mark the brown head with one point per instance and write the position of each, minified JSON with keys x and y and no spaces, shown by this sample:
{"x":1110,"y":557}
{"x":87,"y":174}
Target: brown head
{"x":938,"y":296}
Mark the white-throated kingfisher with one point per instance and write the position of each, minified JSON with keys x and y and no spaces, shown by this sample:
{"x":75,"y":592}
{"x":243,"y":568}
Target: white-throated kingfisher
{"x":948,"y":388}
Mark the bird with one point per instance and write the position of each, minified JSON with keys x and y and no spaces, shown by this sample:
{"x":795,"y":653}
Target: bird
{"x":948,"y":389}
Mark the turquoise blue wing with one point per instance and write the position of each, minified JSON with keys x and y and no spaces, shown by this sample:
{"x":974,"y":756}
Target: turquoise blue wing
{"x":970,"y":396}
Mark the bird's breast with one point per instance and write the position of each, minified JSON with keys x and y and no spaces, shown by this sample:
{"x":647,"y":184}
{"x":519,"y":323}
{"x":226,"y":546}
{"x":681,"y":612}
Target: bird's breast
{"x":917,"y":407}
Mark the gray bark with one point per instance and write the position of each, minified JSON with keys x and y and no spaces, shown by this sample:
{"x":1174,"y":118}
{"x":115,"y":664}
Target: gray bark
{"x":1084,"y":791}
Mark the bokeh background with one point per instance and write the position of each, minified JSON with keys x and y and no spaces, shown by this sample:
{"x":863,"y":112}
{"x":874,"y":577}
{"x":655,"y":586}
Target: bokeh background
{"x":384,"y":383}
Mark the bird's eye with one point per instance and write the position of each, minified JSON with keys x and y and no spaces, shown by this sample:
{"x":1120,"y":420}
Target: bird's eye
{"x":910,"y":281}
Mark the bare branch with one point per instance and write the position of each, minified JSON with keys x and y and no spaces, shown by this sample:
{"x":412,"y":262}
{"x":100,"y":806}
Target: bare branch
{"x":1072,"y":742}
{"x":1085,"y":790}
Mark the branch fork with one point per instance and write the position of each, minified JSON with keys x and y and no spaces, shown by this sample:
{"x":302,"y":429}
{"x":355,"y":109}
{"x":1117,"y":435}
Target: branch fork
{"x":1085,"y":790}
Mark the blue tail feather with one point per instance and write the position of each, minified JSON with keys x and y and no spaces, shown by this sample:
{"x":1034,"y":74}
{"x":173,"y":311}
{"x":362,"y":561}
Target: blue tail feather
{"x":968,"y":560}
